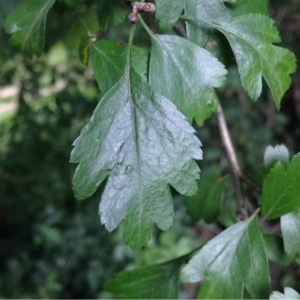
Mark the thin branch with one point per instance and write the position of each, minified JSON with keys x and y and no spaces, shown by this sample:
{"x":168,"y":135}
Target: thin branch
{"x":231,"y":154}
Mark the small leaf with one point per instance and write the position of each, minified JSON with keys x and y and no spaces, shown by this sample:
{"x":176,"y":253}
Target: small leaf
{"x":235,"y":261}
{"x":186,"y":74}
{"x":154,"y":282}
{"x":168,"y":12}
{"x":281,"y":189}
{"x":290,"y":227}
{"x":206,"y":203}
{"x":27,"y":25}
{"x":275,"y":154}
{"x":142,"y":143}
{"x":289,"y":294}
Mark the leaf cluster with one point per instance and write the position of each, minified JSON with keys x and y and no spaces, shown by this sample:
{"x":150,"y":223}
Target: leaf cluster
{"x":139,"y":145}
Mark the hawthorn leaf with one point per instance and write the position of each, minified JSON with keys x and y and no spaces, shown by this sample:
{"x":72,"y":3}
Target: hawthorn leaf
{"x":207,"y":201}
{"x":290,"y":227}
{"x":274,"y":154}
{"x":142,"y":143}
{"x":109,"y":62}
{"x":251,"y":37}
{"x":186,"y":74}
{"x":159,"y":281}
{"x":288,"y":294}
{"x":27,"y":25}
{"x":281,"y":189}
{"x":235,"y":261}
{"x":168,"y":12}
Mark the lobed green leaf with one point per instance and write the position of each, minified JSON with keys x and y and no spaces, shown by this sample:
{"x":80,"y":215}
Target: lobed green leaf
{"x":141,"y":143}
{"x":251,"y":37}
{"x":186,"y":74}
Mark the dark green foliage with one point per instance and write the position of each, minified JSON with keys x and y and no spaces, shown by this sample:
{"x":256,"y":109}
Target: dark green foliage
{"x":206,"y":203}
{"x":147,"y":83}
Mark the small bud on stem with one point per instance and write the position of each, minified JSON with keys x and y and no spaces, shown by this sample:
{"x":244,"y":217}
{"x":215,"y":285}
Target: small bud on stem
{"x":137,"y":7}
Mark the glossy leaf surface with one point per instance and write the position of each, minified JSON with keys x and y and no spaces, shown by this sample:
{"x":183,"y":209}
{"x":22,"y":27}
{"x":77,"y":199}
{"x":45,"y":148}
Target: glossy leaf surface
{"x":141,"y":143}
{"x":153,"y":282}
{"x":281,"y":189}
{"x":27,"y":25}
{"x":290,"y":227}
{"x":186,"y":74}
{"x":234,"y":262}
{"x":251,"y":37}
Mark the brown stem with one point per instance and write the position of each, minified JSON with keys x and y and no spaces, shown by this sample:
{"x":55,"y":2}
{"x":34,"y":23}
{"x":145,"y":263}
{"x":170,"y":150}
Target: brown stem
{"x":231,"y":154}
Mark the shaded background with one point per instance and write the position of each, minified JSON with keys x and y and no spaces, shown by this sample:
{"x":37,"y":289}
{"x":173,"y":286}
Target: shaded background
{"x":53,"y":246}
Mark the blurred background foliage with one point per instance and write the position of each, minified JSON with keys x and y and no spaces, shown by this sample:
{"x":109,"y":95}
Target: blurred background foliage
{"x":53,"y":246}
